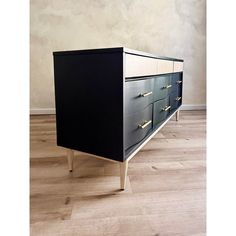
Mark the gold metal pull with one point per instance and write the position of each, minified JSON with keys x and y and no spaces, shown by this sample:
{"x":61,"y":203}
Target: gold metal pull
{"x":168,"y":86}
{"x":145,"y":124}
{"x":166,"y":108}
{"x":145,"y":94}
{"x":178,"y":98}
{"x":178,"y":81}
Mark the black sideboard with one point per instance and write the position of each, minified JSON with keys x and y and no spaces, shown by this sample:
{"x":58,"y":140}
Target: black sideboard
{"x":111,"y":102}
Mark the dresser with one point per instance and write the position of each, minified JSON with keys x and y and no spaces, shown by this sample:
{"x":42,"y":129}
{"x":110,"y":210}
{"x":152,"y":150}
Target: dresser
{"x":110,"y":102}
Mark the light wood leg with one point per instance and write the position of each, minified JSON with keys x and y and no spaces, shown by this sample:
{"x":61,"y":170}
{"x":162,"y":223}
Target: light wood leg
{"x":177,"y":115}
{"x":70,"y":157}
{"x":123,"y":174}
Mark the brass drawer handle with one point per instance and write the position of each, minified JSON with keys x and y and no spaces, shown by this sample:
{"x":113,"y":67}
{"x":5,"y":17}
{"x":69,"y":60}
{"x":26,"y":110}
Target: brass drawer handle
{"x":178,"y":98}
{"x":145,"y":124}
{"x":178,"y":81}
{"x":166,"y":108}
{"x":168,"y":86}
{"x":145,"y":94}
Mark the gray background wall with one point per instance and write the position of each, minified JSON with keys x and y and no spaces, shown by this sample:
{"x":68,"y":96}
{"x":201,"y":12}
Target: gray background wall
{"x":175,"y":28}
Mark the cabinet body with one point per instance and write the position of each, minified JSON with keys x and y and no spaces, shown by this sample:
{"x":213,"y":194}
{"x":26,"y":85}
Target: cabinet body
{"x":110,"y":101}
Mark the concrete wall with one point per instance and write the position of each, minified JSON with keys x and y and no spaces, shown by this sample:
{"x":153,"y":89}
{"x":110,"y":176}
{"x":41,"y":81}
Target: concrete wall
{"x":175,"y":28}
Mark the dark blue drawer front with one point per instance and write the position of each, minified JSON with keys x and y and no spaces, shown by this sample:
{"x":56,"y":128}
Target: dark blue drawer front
{"x":176,"y":81}
{"x":160,"y":110}
{"x":137,"y":126}
{"x":138,"y":95}
{"x":162,"y":86}
{"x":176,"y":93}
{"x":175,"y":99}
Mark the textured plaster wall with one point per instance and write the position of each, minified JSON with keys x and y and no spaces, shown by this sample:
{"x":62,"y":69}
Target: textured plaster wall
{"x":175,"y":28}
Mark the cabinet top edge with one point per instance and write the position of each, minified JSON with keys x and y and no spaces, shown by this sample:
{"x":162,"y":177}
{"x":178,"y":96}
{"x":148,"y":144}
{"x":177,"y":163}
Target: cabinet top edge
{"x":113,"y":50}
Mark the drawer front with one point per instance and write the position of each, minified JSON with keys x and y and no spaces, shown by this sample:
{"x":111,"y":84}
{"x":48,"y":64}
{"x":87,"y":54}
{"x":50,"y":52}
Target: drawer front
{"x":162,"y":86}
{"x":176,"y":80}
{"x":160,"y":110}
{"x":164,"y":66}
{"x":139,"y":66}
{"x":178,"y":66}
{"x":175,"y":99}
{"x":137,"y":126}
{"x":138,"y":95}
{"x":177,"y":83}
{"x":176,"y":95}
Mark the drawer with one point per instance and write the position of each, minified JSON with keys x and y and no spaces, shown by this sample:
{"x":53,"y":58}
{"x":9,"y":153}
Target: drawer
{"x":137,"y":126}
{"x":175,"y":99}
{"x":176,"y":94}
{"x":139,"y":66}
{"x":176,"y":80}
{"x":160,"y":110}
{"x":162,"y":87}
{"x":138,"y":94}
{"x":164,"y":66}
{"x":178,"y":66}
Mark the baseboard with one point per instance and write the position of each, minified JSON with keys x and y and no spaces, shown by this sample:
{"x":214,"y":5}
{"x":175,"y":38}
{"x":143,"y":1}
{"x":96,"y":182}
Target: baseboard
{"x":49,"y":111}
{"x":189,"y":107}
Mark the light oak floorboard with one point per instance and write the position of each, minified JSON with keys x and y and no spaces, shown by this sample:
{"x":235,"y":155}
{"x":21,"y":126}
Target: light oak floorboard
{"x":165,"y":192}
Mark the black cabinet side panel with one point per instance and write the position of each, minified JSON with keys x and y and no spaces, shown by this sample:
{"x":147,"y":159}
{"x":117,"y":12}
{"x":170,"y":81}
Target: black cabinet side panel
{"x":89,"y":103}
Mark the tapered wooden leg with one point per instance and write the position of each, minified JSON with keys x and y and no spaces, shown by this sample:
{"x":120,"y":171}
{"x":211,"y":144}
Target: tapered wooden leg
{"x":70,"y":157}
{"x":123,"y":174}
{"x":177,"y":115}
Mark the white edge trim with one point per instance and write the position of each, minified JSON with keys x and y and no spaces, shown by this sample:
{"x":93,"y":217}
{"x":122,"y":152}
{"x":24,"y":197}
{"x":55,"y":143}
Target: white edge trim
{"x":49,"y":111}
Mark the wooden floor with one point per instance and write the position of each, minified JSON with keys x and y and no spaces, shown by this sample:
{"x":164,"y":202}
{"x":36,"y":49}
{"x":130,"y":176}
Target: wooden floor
{"x":165,"y":193}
